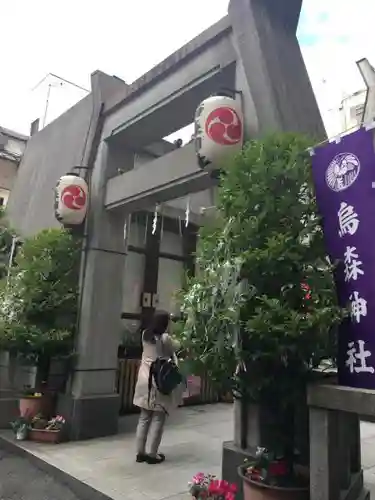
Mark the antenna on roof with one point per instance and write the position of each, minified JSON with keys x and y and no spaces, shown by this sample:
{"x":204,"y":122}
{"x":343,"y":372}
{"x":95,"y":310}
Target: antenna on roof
{"x":61,"y":81}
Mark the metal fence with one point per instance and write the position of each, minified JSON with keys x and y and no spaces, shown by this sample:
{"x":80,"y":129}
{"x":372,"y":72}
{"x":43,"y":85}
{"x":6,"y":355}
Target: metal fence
{"x":127,"y":378}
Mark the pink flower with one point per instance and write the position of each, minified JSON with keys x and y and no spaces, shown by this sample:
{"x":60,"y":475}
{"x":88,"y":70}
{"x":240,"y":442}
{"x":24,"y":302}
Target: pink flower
{"x":198,"y":478}
{"x":229,"y":496}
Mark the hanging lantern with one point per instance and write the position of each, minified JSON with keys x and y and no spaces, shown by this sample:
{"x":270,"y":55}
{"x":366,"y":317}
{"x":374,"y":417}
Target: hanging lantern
{"x":218,"y":130}
{"x":71,"y":200}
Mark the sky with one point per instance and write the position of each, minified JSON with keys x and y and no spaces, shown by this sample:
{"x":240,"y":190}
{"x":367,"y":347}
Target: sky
{"x":126,"y":39}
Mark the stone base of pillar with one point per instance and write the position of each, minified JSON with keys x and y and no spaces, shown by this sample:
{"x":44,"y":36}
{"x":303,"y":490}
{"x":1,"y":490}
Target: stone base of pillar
{"x":9,"y":409}
{"x":89,"y":416}
{"x":233,"y":457}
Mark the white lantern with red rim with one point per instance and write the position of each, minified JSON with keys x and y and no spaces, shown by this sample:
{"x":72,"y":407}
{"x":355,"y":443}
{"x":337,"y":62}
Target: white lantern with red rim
{"x":71,"y":200}
{"x":219,"y":131}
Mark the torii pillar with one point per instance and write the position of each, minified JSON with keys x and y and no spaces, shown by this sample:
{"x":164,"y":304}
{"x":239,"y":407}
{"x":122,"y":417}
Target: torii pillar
{"x":277,"y":96}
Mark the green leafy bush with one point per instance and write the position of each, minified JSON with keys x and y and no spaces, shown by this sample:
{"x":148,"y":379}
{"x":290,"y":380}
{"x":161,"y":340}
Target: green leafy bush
{"x":39,"y":304}
{"x":248,"y":321}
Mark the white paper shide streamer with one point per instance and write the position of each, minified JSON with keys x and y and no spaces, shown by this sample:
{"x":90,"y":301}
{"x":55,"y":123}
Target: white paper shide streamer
{"x":187,"y":212}
{"x":155,"y":219}
{"x":11,"y":257}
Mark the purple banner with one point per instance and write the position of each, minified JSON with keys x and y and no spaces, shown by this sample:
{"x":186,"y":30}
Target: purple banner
{"x":344,"y":174}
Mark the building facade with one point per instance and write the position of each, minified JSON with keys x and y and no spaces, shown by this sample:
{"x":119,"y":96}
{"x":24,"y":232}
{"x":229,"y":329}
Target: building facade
{"x":147,"y":194}
{"x":351,"y":111}
{"x":12,"y":148}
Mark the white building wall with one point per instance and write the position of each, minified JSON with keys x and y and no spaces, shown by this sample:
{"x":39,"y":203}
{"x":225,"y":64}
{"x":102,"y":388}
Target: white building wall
{"x":351,"y":110}
{"x":15,"y":146}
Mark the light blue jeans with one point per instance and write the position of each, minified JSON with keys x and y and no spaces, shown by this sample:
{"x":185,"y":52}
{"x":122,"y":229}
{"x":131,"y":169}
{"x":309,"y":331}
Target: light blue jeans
{"x":150,"y":424}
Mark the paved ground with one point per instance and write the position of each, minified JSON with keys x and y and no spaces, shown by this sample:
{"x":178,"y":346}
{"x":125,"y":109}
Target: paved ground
{"x":368,"y":455}
{"x":192,"y":443}
{"x":19,"y":480}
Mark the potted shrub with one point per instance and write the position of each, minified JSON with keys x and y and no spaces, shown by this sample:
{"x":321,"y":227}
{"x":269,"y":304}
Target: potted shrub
{"x":39,"y":302}
{"x":260,"y":313}
{"x":269,"y":477}
{"x":46,"y":431}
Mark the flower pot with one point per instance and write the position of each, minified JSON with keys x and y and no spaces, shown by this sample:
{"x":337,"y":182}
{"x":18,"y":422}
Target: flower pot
{"x":44,"y":436}
{"x":30,"y":406}
{"x":254,"y":490}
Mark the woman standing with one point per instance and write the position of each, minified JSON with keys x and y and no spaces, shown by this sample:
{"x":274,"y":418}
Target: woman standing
{"x":154,"y":406}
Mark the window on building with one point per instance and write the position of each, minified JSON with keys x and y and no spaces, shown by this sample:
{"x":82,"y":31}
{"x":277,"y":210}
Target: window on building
{"x":356,"y":112}
{"x":3,"y":141}
{"x":359,"y":110}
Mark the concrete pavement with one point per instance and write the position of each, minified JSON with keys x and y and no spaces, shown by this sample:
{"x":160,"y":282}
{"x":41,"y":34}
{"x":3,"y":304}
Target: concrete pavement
{"x":20,"y":480}
{"x":192,"y":443}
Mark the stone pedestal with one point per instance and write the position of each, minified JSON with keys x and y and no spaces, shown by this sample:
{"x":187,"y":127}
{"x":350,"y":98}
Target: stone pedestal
{"x":234,"y":457}
{"x":335,"y":442}
{"x":255,"y":425}
{"x":89,"y":416}
{"x":251,"y":429}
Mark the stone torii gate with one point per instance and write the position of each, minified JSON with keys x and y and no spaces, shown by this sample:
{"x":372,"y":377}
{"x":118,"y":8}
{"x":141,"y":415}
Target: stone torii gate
{"x":254,"y":50}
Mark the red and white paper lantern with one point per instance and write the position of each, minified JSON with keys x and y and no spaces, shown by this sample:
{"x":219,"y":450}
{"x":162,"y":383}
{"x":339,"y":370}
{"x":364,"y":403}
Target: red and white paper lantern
{"x":71,"y":200}
{"x":219,"y":130}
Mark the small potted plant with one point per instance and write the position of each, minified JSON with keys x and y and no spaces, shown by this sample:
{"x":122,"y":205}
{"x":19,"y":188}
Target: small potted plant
{"x":269,"y":476}
{"x":208,"y":487}
{"x":46,"y":431}
{"x":20,"y":427}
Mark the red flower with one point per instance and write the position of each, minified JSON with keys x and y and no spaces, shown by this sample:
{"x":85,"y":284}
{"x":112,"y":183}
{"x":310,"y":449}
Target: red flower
{"x":213,"y":487}
{"x":222,"y":489}
{"x":224,"y":485}
{"x":254,"y":473}
{"x":278,"y":469}
{"x":233,"y":488}
{"x":305,"y":288}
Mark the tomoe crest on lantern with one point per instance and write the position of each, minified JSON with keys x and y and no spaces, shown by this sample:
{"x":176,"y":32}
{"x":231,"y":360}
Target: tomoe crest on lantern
{"x":218,"y":130}
{"x":71,"y":198}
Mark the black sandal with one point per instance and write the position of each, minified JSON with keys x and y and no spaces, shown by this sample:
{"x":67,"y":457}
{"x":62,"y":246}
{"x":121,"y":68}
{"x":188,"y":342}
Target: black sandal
{"x":155,"y":460}
{"x":141,"y":457}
